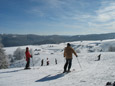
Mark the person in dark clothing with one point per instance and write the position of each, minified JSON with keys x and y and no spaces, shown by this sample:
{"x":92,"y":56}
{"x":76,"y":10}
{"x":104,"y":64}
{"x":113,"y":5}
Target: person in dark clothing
{"x":114,"y":83}
{"x":55,"y":61}
{"x":68,"y":51}
{"x":47,"y":62}
{"x":68,"y":63}
{"x":27,"y":53}
{"x":109,"y":84}
{"x":42,"y":62}
{"x":99,"y":56}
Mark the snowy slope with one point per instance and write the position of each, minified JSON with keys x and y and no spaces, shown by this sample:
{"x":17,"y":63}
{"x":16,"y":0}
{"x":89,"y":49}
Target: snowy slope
{"x":51,"y":51}
{"x":93,"y":73}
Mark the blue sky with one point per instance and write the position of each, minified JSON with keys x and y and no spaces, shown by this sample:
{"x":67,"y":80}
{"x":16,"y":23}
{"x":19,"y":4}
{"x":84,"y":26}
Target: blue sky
{"x":57,"y":17}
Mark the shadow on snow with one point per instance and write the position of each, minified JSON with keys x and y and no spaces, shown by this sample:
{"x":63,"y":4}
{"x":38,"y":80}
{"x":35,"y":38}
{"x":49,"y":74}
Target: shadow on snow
{"x":11,"y":71}
{"x":49,"y":77}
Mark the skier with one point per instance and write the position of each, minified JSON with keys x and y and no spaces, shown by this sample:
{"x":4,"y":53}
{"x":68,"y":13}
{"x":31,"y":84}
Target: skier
{"x":42,"y":62}
{"x":114,"y":83}
{"x":55,"y":61}
{"x":68,"y":51}
{"x":27,"y":53}
{"x":47,"y":62}
{"x":108,"y":84}
{"x":99,"y":56}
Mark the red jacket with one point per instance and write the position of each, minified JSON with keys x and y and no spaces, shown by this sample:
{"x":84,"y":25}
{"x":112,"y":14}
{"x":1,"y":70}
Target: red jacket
{"x":27,"y":55}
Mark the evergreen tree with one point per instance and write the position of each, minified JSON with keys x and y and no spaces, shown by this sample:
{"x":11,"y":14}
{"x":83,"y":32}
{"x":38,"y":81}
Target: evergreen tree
{"x":3,"y":59}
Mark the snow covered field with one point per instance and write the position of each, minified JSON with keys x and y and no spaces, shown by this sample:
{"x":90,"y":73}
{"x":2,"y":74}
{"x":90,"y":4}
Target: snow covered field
{"x":93,"y":73}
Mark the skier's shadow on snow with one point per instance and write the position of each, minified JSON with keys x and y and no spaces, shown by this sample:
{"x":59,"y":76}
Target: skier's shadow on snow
{"x":11,"y":71}
{"x":49,"y":77}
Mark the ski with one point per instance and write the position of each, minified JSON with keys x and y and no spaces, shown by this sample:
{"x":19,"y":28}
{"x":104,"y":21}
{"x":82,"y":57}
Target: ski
{"x":69,"y":71}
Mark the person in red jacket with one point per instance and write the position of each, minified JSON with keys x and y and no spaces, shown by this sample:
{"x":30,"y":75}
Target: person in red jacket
{"x":27,"y":53}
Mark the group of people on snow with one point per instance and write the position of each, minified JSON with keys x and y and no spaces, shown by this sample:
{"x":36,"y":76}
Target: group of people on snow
{"x":28,"y":56}
{"x":47,"y":62}
{"x":42,"y":62}
{"x":68,"y":51}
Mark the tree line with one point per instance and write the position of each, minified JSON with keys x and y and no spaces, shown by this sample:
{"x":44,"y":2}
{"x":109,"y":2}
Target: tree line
{"x":9,"y":40}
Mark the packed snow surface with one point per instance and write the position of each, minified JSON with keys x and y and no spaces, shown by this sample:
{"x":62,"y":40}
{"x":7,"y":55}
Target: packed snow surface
{"x":90,"y":73}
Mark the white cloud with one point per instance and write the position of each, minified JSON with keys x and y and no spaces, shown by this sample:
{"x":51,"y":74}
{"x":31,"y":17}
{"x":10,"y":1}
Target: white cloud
{"x":103,"y":17}
{"x":104,"y":20}
{"x":60,"y":9}
{"x":106,"y":12}
{"x":71,"y":15}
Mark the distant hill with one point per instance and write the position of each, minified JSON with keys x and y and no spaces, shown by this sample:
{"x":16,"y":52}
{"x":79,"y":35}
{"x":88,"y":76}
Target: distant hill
{"x":30,"y":39}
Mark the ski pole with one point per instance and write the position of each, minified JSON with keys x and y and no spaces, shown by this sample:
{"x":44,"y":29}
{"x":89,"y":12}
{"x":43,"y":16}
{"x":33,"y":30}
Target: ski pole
{"x":32,"y":58}
{"x":33,"y":61}
{"x":79,"y":63}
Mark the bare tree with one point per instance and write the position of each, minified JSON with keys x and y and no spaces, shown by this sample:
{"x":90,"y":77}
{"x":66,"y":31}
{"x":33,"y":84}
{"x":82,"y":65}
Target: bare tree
{"x":19,"y":54}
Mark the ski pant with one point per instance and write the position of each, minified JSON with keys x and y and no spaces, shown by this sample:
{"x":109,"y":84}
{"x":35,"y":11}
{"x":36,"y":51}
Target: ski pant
{"x":28,"y":63}
{"x":68,"y":64}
